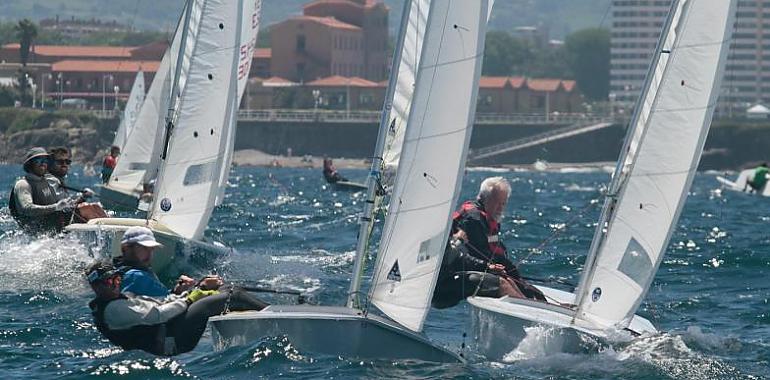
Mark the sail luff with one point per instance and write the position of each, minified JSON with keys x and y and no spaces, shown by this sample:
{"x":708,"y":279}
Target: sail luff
{"x":134,"y":104}
{"x":657,"y":179}
{"x":432,"y":160}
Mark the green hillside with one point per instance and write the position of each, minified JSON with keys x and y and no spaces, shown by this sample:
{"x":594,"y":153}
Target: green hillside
{"x":560,"y":16}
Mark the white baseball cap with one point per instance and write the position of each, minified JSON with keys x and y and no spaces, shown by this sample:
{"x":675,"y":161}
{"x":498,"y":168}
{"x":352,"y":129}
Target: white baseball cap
{"x":140,"y":235}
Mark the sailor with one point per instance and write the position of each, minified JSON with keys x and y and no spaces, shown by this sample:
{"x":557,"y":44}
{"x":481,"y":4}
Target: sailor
{"x":59,"y":163}
{"x":330,"y":172}
{"x":164,"y":327}
{"x":137,"y":245}
{"x":758,"y":181}
{"x":480,"y":221}
{"x":109,"y":163}
{"x":33,"y":201}
{"x":462,"y":275}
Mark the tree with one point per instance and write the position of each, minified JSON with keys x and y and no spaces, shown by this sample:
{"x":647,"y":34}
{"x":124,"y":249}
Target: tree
{"x":588,"y":53}
{"x":26,"y":32}
{"x":505,"y":55}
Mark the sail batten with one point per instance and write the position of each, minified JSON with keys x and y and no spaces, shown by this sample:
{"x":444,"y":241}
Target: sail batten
{"x":662,"y":153}
{"x":439,"y":123}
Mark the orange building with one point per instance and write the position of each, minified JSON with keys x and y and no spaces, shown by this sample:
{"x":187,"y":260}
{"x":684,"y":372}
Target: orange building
{"x":333,"y":37}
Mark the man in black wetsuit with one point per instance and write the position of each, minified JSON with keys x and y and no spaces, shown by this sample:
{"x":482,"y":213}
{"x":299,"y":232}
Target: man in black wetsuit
{"x":165,"y":327}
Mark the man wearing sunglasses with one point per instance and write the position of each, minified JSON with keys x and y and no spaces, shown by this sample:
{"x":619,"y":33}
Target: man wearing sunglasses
{"x":33,"y":202}
{"x":164,"y":327}
{"x":59,"y":163}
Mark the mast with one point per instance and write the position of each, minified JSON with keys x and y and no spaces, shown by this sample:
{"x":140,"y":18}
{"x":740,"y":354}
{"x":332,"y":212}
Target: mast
{"x":373,"y":180}
{"x":616,"y":182}
{"x":172,"y":105}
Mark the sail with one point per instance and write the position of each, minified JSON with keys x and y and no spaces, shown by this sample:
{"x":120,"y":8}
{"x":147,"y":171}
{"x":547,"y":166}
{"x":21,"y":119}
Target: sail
{"x":662,"y":156}
{"x":209,"y":93}
{"x":406,"y":73}
{"x":248,"y":42}
{"x":432,"y":160}
{"x":134,"y":104}
{"x":136,"y":156}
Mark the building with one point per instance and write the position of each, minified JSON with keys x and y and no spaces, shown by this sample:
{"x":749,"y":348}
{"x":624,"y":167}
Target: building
{"x":76,"y":28}
{"x":346,"y":38}
{"x":636,"y":27}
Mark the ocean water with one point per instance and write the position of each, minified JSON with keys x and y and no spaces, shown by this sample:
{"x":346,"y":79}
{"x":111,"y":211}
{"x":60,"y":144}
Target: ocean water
{"x":710,"y":296}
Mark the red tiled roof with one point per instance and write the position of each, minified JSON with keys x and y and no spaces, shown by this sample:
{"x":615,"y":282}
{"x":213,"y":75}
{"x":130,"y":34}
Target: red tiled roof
{"x":74,"y":65}
{"x":79,"y":51}
{"x":278,"y":82}
{"x":517,"y":82}
{"x":328,"y":21}
{"x":263,"y":53}
{"x":339,"y":81}
{"x":569,"y":85}
{"x":493,"y":82}
{"x":549,"y":85}
{"x":368,"y":4}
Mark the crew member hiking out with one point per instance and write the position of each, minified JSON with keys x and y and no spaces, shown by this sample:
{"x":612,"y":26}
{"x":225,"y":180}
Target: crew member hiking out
{"x":33,"y":202}
{"x":759,"y":179}
{"x":330,"y":172}
{"x":479,"y":219}
{"x":163,"y":327}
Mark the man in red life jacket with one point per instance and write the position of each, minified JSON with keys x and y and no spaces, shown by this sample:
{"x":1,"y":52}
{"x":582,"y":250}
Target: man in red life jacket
{"x":481,"y":252}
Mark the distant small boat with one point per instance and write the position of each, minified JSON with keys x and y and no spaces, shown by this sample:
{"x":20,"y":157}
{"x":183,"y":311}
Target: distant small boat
{"x":741,"y":183}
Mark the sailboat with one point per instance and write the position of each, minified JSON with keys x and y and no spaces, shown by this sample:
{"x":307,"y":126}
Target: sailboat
{"x":645,"y":198}
{"x":741,"y":183}
{"x":140,"y":154}
{"x":133,"y":106}
{"x":212,"y":67}
{"x":430,"y":167}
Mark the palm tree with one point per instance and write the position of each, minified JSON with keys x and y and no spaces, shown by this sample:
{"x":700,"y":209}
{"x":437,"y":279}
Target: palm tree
{"x":26,"y":32}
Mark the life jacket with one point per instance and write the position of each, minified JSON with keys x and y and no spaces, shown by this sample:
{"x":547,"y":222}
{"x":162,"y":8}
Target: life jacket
{"x":43,"y":194}
{"x":493,"y":232}
{"x":146,"y":338}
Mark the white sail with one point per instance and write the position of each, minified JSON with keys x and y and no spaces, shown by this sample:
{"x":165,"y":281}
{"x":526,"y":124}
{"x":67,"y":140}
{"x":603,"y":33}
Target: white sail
{"x":136,"y":157}
{"x":661,"y":160}
{"x":249,"y":30}
{"x":190,"y":176}
{"x":406,"y":73}
{"x":432,"y":160}
{"x":134,"y":104}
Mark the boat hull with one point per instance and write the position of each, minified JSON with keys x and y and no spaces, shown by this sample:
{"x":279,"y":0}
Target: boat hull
{"x":102,"y":236}
{"x":741,"y":184}
{"x":119,"y":199}
{"x":502,"y":328}
{"x":336,"y":331}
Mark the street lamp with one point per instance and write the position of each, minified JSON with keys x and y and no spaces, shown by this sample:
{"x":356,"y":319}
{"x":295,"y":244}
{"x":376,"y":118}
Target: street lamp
{"x":104,"y":83}
{"x":116,"y":89}
{"x":316,"y":99}
{"x":612,"y":96}
{"x":43,"y":78}
{"x":60,"y":82}
{"x":33,"y":86}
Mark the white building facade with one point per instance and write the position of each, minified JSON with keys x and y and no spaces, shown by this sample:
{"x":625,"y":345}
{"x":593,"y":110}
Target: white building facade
{"x":636,"y":26}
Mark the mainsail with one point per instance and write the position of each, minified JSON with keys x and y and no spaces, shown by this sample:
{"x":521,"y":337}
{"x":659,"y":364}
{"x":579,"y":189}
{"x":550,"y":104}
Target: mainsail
{"x":219,"y":43}
{"x":137,"y":162}
{"x":134,"y":104}
{"x":660,"y":160}
{"x":432,"y":160}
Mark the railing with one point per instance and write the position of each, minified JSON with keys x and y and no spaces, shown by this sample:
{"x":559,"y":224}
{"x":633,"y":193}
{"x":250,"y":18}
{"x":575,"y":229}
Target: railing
{"x":328,"y":116}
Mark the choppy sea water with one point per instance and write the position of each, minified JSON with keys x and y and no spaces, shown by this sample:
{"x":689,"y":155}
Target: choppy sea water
{"x":710,"y":296}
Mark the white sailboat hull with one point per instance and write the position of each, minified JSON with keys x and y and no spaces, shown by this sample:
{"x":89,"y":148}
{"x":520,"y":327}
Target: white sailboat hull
{"x":500,"y":325}
{"x":741,"y":183}
{"x":337,"y":331}
{"x":103,"y":237}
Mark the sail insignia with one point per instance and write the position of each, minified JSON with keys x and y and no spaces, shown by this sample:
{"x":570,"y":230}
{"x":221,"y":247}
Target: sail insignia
{"x":395,"y":273}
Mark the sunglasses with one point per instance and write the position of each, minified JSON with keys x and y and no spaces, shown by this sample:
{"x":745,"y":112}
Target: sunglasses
{"x":109,"y":277}
{"x":63,"y":162}
{"x":39,"y":160}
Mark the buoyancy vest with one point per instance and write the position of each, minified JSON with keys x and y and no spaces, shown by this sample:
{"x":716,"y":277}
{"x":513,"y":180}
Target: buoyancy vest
{"x":42,"y":194}
{"x":493,"y":231}
{"x":146,"y":338}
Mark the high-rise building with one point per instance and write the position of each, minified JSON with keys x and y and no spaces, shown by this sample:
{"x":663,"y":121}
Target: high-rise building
{"x":636,"y":26}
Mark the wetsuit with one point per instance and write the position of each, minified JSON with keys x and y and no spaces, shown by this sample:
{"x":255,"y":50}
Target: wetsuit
{"x":32,"y":204}
{"x":760,"y":178}
{"x":164,"y":327}
{"x":462,"y":275}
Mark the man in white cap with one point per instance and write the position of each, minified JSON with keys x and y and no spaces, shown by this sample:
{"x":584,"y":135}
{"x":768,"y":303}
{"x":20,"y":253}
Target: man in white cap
{"x":138,"y":245}
{"x":33,"y":201}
